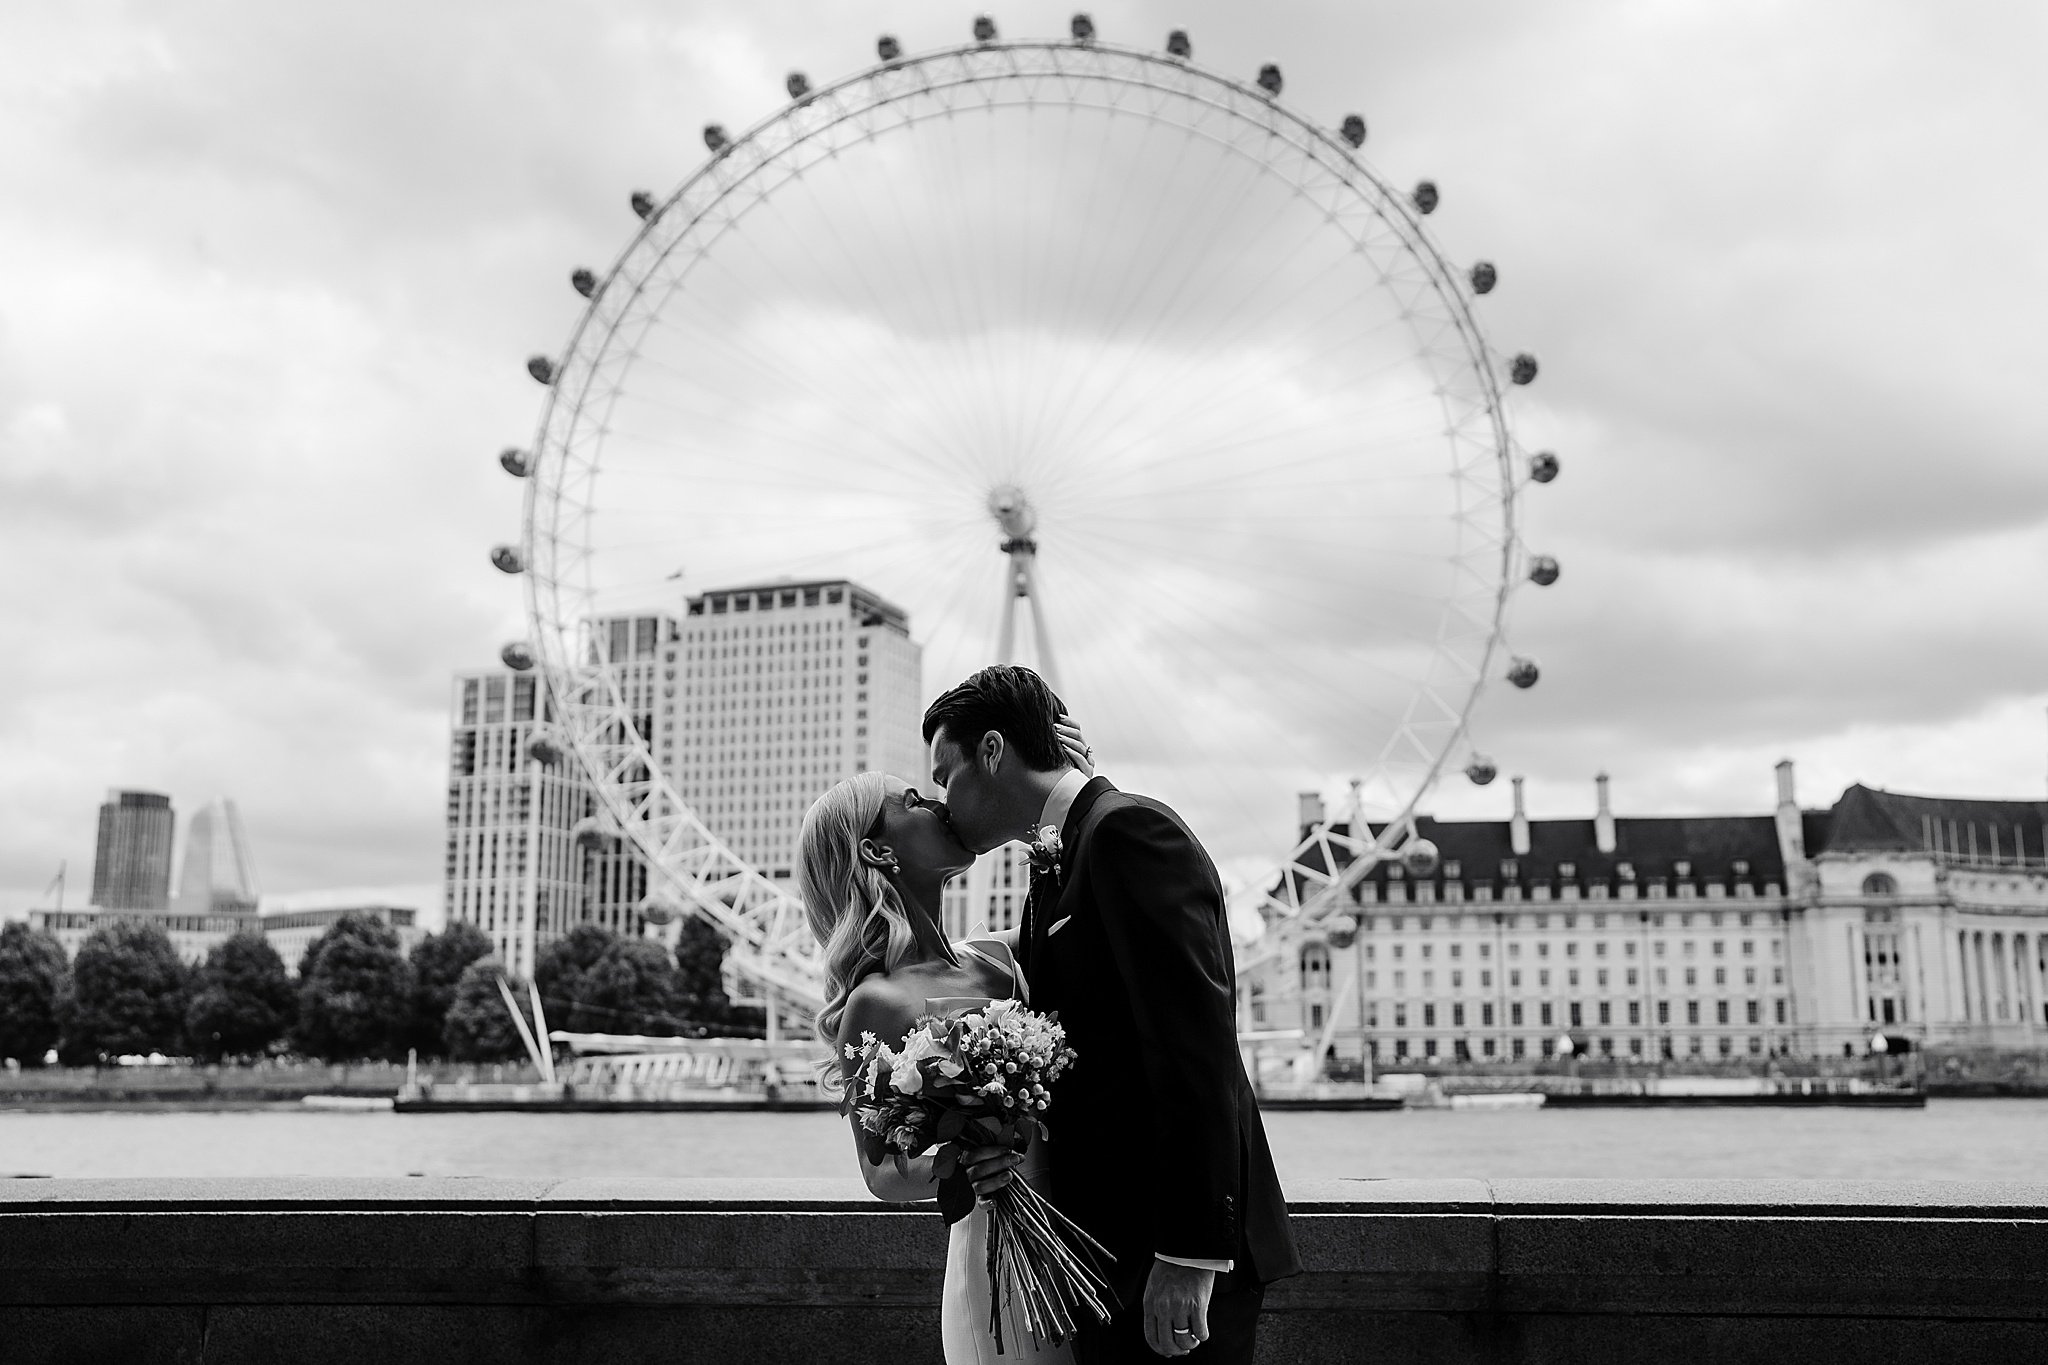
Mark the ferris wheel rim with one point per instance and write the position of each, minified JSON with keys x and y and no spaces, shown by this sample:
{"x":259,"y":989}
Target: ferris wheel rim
{"x":548,"y":486}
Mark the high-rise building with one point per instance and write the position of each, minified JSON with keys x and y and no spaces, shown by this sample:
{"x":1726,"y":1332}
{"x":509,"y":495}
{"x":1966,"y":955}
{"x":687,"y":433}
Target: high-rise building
{"x":512,"y":867}
{"x":781,"y":690}
{"x":752,"y":703}
{"x":217,"y":873}
{"x":131,"y":867}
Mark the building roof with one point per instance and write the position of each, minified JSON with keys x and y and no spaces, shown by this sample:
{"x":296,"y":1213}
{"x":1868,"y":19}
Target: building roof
{"x":1868,"y":820}
{"x":1712,"y":847}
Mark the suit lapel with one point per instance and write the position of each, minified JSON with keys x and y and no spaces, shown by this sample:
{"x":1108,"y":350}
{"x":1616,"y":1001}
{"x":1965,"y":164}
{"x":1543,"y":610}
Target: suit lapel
{"x":1048,"y":913}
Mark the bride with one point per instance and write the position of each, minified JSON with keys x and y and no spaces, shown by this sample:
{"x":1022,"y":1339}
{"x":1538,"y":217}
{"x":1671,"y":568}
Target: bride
{"x":874,"y":857}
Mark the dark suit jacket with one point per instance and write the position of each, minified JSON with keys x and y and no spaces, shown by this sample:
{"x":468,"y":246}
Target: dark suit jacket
{"x":1156,"y":1143}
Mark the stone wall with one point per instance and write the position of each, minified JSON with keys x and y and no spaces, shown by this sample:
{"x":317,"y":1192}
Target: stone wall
{"x":451,"y":1270}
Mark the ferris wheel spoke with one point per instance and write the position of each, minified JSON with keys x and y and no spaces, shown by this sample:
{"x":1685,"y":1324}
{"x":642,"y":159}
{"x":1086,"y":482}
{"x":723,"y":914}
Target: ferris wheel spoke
{"x":1076,"y":420}
{"x":949,"y":397}
{"x":938,"y":462}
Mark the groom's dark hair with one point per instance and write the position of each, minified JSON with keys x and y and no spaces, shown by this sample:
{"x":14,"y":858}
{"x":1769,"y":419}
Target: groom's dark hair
{"x":1011,"y":700}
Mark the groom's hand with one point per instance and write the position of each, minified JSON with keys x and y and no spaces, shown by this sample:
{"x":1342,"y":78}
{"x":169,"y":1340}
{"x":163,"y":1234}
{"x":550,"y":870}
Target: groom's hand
{"x":990,"y":1168}
{"x":1177,"y":1296}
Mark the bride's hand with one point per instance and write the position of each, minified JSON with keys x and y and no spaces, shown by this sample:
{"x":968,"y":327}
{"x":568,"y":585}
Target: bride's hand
{"x":1076,"y":744}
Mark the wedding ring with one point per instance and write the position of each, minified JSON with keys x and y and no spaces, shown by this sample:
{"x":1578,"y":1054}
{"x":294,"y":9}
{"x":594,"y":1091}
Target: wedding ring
{"x":1183,"y":1331}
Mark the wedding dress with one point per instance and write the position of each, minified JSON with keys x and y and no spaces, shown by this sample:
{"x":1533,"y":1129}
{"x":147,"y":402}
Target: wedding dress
{"x":964,"y":1305}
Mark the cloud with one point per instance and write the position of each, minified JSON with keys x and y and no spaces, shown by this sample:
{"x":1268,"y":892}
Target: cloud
{"x":270,"y":275}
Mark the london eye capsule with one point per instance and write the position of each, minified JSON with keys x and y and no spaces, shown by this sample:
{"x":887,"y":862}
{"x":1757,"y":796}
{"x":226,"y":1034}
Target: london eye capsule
{"x":1523,"y":672}
{"x":1425,"y":197}
{"x":517,"y":656}
{"x":1083,"y":29}
{"x":797,"y":84}
{"x":588,"y":834}
{"x":584,"y":281}
{"x":1420,"y":857}
{"x":1543,"y":467}
{"x":1269,"y":79}
{"x":887,"y":48}
{"x":658,"y":909}
{"x":715,"y":138}
{"x":541,"y":368}
{"x":507,"y":559}
{"x":1523,"y":369}
{"x":643,"y":203}
{"x":1543,"y":571}
{"x":515,"y":462}
{"x":1341,"y":931}
{"x":984,"y":29}
{"x":543,"y":749}
{"x":1177,"y":44}
{"x":1353,"y":130}
{"x":1481,"y":770}
{"x":1484,"y":277}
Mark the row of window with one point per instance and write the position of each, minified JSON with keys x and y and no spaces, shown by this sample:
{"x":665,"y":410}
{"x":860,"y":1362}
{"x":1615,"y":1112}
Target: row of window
{"x":1575,"y":1014}
{"x":1490,"y":1049}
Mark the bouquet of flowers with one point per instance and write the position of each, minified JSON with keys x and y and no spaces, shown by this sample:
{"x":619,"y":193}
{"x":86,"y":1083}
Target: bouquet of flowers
{"x":982,"y":1079}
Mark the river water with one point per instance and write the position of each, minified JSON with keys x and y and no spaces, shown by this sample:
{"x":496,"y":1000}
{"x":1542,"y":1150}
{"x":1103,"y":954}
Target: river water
{"x":1948,"y":1140}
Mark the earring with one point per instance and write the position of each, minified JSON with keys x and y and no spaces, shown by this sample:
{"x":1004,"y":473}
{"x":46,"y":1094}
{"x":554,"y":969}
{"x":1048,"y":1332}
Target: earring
{"x":891,"y":866}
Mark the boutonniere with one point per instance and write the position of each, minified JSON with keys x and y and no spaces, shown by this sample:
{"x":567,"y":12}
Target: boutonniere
{"x":1045,"y":850}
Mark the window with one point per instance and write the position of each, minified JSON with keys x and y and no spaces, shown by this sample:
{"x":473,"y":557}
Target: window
{"x":1663,"y":1011}
{"x":1515,"y":1013}
{"x":1458,"y":1015}
{"x":1692,"y":1011}
{"x":1720,"y":1011}
{"x":1756,"y":1011}
{"x":1429,"y":1016}
{"x":1880,"y":884}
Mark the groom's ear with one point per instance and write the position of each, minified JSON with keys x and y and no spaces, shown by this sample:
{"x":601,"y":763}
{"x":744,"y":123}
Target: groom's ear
{"x":990,"y":752}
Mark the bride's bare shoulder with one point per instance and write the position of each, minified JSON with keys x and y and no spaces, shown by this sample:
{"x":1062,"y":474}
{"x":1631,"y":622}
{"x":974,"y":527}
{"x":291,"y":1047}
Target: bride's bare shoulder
{"x":881,"y":1006}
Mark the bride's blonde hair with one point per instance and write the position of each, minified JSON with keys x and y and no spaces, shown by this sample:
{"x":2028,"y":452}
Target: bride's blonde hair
{"x":855,"y":911}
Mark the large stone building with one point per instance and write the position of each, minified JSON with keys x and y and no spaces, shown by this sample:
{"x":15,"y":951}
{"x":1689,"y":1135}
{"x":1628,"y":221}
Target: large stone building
{"x":1798,"y":932}
{"x":753,"y":702}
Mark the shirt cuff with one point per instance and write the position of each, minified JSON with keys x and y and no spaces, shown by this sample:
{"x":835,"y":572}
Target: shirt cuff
{"x":1196,"y":1262}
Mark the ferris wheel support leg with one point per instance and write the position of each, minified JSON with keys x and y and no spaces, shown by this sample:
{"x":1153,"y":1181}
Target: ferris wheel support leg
{"x":1006,"y":637}
{"x":1040,"y":636}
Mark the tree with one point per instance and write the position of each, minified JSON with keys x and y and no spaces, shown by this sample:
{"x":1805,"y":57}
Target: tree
{"x":632,"y":989}
{"x":560,"y":972}
{"x":478,"y":1028}
{"x":127,"y":994}
{"x":700,"y":985}
{"x":32,"y":980}
{"x":356,"y":996}
{"x":242,"y":1001}
{"x":438,"y":962}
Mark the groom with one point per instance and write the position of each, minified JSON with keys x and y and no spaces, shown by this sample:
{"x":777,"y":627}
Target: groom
{"x":1157,"y":1148}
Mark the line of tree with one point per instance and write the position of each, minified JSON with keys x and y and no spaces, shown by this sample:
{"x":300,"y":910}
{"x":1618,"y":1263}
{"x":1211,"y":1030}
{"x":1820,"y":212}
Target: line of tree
{"x":358,"y":996}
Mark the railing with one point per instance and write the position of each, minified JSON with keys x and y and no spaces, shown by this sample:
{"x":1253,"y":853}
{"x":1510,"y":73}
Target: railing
{"x":448,"y":1271}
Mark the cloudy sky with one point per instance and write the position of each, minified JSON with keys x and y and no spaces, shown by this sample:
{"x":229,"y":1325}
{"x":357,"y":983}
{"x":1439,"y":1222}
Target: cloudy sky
{"x":270,"y":274}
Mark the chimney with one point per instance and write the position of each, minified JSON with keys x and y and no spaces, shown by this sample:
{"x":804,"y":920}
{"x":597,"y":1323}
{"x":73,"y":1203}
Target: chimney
{"x":1603,"y":817}
{"x":1791,"y":830}
{"x":1518,"y":827}
{"x":1311,"y":809}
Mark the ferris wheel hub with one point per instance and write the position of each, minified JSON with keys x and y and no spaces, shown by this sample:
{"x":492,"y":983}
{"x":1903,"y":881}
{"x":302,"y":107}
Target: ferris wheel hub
{"x":1013,"y":511}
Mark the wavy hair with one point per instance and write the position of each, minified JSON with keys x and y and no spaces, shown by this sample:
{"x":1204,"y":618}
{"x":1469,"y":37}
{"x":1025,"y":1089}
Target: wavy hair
{"x":856,"y":913}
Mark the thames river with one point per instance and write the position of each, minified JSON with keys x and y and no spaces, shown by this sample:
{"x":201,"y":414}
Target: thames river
{"x":1949,"y":1140}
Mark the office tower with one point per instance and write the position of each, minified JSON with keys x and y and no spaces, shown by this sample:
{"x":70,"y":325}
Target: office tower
{"x":217,"y":873}
{"x":781,"y":690}
{"x":753,"y":704}
{"x":512,"y":866}
{"x":131,"y":867}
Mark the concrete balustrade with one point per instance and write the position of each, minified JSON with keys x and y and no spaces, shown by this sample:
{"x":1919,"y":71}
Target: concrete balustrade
{"x":451,"y":1270}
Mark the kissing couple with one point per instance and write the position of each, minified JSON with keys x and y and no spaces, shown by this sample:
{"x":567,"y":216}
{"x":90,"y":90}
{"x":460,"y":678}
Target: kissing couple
{"x":1156,"y":1148}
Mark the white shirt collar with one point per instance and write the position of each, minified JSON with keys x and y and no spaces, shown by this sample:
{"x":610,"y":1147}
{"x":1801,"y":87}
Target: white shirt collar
{"x":1061,"y":799}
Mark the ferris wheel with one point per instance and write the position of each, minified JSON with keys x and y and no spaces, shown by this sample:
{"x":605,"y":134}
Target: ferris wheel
{"x":1066,"y":328}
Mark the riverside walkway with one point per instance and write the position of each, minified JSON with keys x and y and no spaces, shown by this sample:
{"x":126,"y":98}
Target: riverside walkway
{"x":503,"y":1271}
